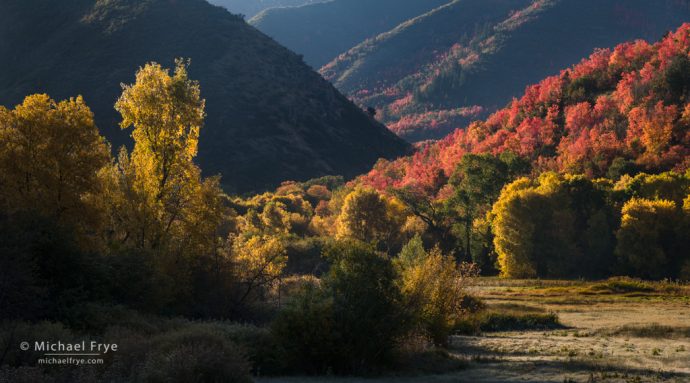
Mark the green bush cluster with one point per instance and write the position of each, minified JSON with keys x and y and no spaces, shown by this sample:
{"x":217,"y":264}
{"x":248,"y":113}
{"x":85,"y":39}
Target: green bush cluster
{"x":357,"y":319}
{"x":350,"y":321}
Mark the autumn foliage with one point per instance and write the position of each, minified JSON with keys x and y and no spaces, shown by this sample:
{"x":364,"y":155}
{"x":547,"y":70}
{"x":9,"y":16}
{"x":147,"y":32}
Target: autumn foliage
{"x":585,"y":176}
{"x":606,"y":146}
{"x":627,"y":104}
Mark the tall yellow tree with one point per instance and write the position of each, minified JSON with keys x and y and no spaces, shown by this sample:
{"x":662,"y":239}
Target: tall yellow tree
{"x":166,"y":113}
{"x":50,"y":156}
{"x":157,"y":201}
{"x":173,"y":205}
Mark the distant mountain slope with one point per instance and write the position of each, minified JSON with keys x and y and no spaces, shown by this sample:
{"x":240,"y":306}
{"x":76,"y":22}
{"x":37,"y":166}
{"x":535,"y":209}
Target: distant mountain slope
{"x":270,"y":117}
{"x":250,"y":8}
{"x":620,"y":111}
{"x":322,"y":31}
{"x":457,"y":63}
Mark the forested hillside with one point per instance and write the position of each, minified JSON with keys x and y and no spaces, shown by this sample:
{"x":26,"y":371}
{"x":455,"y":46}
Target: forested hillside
{"x":270,"y":117}
{"x":463,"y":61}
{"x":322,"y":31}
{"x":616,"y":120}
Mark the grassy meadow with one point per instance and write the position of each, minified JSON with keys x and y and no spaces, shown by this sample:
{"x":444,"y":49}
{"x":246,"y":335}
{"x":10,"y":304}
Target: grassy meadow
{"x":618,"y":330}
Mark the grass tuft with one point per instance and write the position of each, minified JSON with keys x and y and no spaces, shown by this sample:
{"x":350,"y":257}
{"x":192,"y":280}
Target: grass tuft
{"x":649,"y":331}
{"x":507,"y":317}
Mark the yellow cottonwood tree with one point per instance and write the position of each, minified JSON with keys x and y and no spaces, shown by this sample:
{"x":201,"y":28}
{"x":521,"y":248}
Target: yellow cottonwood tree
{"x":514,"y":229}
{"x":50,"y":156}
{"x":166,"y":113}
{"x":651,"y":240}
{"x":368,"y":216}
{"x":170,"y":205}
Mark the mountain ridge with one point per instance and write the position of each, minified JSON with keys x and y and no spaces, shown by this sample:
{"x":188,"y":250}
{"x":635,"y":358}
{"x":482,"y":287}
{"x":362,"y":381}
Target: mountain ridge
{"x":320,"y":31}
{"x":250,"y":8}
{"x":270,"y":118}
{"x":470,"y":77}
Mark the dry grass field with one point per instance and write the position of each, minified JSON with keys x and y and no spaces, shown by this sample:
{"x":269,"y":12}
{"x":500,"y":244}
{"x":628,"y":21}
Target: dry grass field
{"x":614,"y":331}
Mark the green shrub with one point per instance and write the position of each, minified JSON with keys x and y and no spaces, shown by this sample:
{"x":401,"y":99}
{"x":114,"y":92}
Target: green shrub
{"x":306,"y":329}
{"x":348,"y":324}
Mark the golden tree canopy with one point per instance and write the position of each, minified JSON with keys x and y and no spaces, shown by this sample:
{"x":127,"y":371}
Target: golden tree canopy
{"x":166,"y":112}
{"x":50,"y":156}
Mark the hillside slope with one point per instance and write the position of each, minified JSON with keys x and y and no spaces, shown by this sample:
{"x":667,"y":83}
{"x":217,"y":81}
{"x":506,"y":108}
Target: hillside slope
{"x":620,"y":111}
{"x":322,"y":31}
{"x":249,"y":8}
{"x":462,"y":61}
{"x":270,"y":117}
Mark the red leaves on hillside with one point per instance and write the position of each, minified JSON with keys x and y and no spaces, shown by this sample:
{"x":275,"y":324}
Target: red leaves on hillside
{"x":653,"y":128}
{"x":613,"y":104}
{"x":673,"y":44}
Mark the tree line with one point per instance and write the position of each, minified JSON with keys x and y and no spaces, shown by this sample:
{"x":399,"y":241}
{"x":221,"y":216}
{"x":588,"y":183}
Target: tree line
{"x":337,"y":275}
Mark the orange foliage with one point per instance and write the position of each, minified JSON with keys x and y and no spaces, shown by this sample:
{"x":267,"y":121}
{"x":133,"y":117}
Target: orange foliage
{"x":562,"y":132}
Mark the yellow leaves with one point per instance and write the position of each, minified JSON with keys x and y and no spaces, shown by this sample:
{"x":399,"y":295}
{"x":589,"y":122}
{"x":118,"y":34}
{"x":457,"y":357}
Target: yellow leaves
{"x":259,"y":258}
{"x":363,"y":216}
{"x":518,"y":218}
{"x":638,"y":209}
{"x":164,"y":204}
{"x":651,"y":237}
{"x":167,"y":113}
{"x":276,"y":218}
{"x":434,"y":285}
{"x":276,"y":213}
{"x":323,"y":226}
{"x":550,"y":182}
{"x":369,"y":216}
{"x":513,"y":230}
{"x":50,"y":156}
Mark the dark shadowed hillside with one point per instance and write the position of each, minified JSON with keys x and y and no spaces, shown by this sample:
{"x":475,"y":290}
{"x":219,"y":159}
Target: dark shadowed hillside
{"x":322,"y":31}
{"x":457,"y":63}
{"x":270,"y":118}
{"x":249,"y":8}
